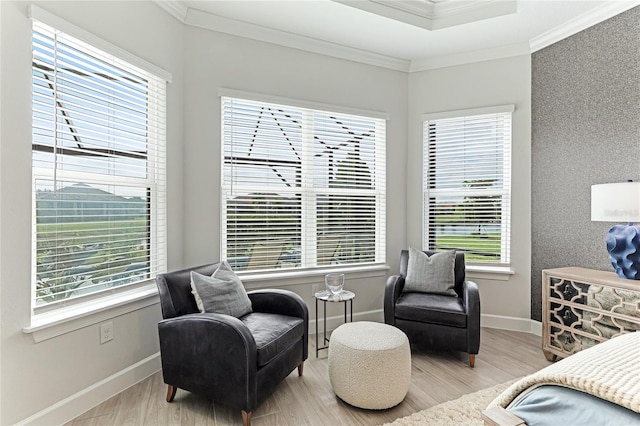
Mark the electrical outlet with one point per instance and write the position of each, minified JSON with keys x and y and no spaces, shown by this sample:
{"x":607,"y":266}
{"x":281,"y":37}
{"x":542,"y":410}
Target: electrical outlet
{"x":314,"y":289}
{"x":106,"y":332}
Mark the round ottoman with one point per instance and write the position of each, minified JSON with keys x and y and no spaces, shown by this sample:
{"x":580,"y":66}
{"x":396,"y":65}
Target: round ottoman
{"x":369,"y":364}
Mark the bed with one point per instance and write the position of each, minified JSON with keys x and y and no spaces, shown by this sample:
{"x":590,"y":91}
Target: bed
{"x":597,"y":386}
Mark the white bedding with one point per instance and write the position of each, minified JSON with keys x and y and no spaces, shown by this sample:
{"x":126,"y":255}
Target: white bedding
{"x":609,"y":370}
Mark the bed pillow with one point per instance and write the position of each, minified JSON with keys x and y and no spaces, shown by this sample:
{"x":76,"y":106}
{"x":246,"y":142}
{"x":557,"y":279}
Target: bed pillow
{"x":221,"y":293}
{"x":431,"y":274}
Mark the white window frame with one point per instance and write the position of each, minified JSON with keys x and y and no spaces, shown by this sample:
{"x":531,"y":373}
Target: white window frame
{"x":504,"y":264}
{"x":59,"y":317}
{"x":308,"y":192}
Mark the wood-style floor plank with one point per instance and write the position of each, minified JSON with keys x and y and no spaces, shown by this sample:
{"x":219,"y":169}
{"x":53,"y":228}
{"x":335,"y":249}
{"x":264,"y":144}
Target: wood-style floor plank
{"x":436,"y":377}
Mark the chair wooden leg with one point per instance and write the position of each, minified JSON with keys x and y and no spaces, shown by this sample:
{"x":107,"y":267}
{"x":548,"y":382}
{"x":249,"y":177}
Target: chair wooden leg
{"x":472,"y":360}
{"x":171,"y":393}
{"x":300,"y":368}
{"x":246,"y":418}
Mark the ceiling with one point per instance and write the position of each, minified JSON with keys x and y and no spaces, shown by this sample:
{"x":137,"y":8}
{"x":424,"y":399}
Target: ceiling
{"x":406,"y":35}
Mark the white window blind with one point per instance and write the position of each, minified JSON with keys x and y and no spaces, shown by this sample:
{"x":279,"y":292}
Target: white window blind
{"x":467,"y":185}
{"x":98,"y":156}
{"x":301,"y":188}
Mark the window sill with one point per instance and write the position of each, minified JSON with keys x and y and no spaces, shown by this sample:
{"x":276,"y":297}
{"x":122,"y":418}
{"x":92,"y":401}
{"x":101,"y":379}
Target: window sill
{"x":55,"y":323}
{"x":65,"y":320}
{"x":309,"y":276}
{"x":497,"y":273}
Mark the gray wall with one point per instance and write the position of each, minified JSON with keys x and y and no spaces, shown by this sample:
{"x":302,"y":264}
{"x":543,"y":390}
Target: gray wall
{"x":585,"y":130}
{"x":74,"y":365}
{"x":54,"y":376}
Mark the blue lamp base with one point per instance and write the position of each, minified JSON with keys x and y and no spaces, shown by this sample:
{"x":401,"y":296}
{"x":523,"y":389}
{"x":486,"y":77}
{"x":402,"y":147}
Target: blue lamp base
{"x":623,"y":244}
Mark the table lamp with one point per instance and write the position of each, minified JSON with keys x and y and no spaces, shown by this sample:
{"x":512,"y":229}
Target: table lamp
{"x":620,"y":202}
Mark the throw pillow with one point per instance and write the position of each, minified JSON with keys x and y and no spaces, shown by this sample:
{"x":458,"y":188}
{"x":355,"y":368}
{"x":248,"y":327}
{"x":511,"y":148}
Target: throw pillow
{"x":221,"y":293}
{"x":431,"y":274}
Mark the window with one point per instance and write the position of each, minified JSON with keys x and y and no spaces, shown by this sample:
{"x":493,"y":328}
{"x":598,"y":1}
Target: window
{"x":301,"y":188}
{"x":467,"y":183}
{"x":98,"y":157}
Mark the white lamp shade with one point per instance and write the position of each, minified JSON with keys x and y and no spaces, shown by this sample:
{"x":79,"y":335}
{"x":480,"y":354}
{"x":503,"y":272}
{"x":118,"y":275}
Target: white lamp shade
{"x":615,"y":202}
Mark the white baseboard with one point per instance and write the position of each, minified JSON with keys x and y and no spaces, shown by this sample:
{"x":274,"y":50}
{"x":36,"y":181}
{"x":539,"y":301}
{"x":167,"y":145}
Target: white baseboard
{"x":536,"y":327}
{"x":334,"y":322}
{"x":486,"y":320}
{"x":76,"y":404}
{"x":511,"y":323}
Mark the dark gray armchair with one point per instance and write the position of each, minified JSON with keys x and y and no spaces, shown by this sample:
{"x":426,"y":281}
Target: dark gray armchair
{"x":432,"y":320}
{"x":236,"y":362}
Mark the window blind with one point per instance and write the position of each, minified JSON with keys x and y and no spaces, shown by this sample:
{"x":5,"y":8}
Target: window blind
{"x":98,"y":157}
{"x":467,"y":186}
{"x":301,"y":188}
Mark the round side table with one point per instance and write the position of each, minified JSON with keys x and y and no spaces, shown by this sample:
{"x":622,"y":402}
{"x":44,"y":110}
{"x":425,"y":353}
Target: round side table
{"x":325,"y":296}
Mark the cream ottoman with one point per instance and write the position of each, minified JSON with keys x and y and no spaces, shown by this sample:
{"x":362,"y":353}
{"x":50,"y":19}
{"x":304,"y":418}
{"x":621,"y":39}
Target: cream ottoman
{"x":369,"y":364}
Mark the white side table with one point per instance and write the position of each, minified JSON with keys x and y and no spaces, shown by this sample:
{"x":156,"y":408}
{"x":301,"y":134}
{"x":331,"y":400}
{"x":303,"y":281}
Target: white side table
{"x":325,"y":296}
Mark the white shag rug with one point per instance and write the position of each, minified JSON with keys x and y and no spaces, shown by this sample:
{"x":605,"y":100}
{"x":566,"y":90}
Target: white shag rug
{"x":462,"y":411}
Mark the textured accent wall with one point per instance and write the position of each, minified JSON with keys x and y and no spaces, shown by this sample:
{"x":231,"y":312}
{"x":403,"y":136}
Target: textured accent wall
{"x":585,"y":130}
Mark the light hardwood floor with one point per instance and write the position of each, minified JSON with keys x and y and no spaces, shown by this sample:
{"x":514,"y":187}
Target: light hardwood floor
{"x":436,"y":377}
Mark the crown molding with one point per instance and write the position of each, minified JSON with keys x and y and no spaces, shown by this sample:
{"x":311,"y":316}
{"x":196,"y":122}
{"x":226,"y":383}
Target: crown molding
{"x":501,"y":52}
{"x":197,"y":18}
{"x":582,"y":22}
{"x":200,"y":19}
{"x":433,"y":15}
{"x":175,"y":8}
{"x":465,"y":13}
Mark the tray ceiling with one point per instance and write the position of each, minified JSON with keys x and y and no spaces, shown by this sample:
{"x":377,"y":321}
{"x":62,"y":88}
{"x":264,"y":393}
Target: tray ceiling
{"x":406,"y":35}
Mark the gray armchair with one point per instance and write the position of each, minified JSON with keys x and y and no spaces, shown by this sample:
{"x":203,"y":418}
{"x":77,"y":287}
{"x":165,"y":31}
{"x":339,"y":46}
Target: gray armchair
{"x":236,"y":362}
{"x":432,"y":320}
